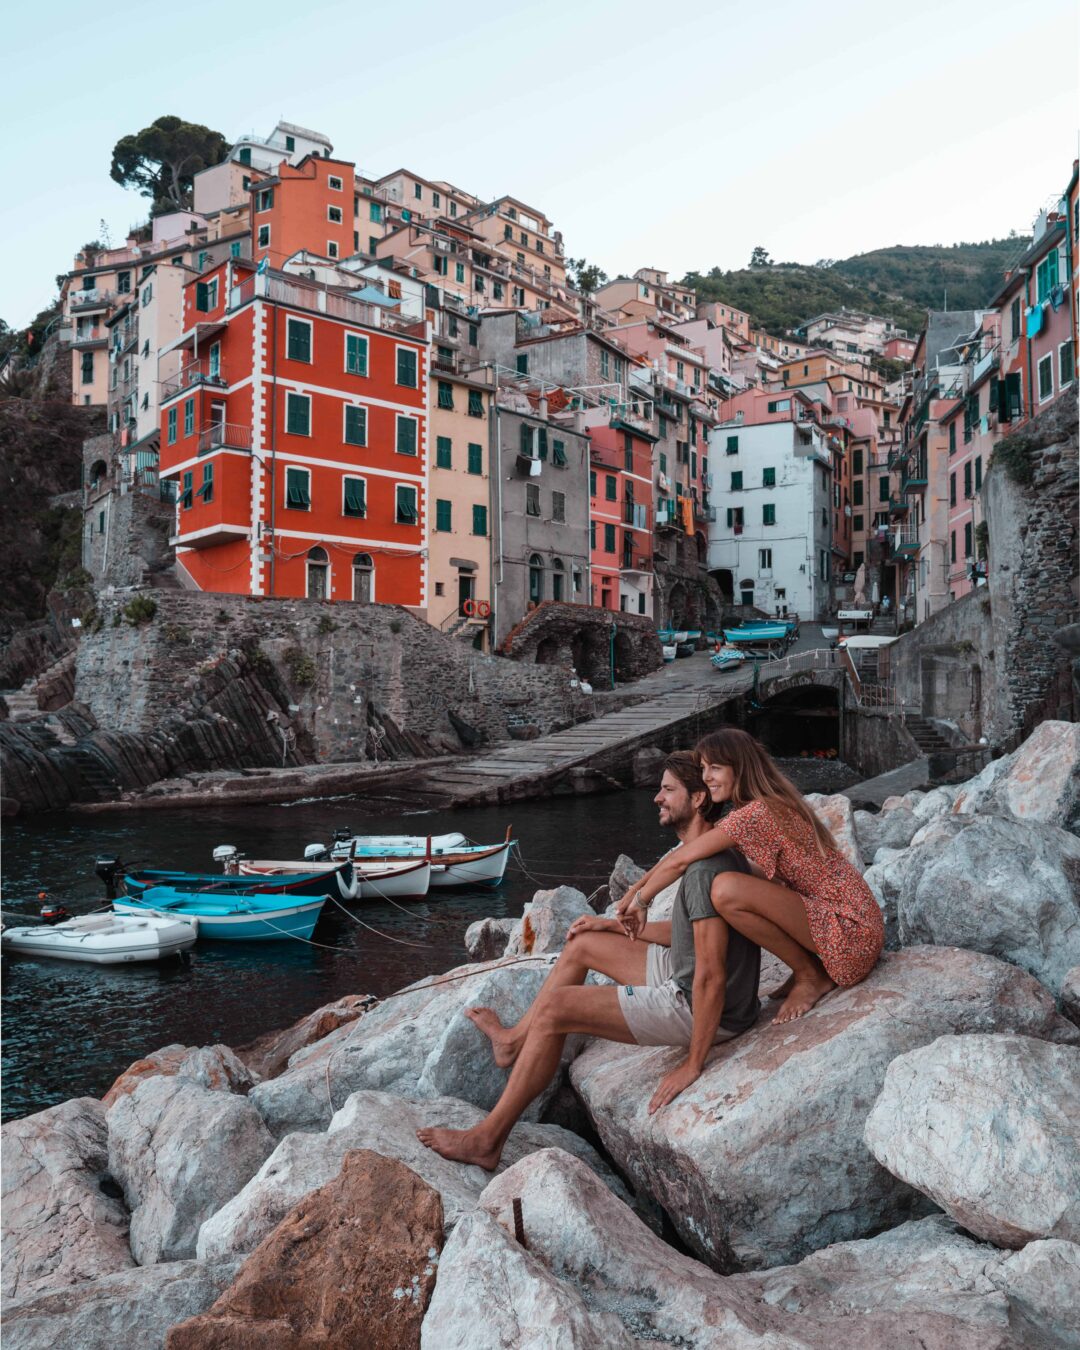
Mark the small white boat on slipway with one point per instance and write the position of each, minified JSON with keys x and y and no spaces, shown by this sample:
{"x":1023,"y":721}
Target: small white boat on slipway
{"x":104,"y":939}
{"x":373,"y":878}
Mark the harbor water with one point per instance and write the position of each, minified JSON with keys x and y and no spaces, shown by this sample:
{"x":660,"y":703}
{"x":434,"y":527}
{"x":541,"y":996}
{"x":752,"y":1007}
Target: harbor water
{"x":70,"y":1029}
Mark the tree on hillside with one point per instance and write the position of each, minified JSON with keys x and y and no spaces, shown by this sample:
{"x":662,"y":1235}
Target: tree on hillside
{"x":760,"y":257}
{"x":161,"y":161}
{"x":584,"y":276}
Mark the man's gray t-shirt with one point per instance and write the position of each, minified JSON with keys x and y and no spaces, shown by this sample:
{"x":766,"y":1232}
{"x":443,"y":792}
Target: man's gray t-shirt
{"x":693,"y":902}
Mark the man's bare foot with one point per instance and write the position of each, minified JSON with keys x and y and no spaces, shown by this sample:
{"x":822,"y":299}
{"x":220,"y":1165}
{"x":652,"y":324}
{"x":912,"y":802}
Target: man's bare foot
{"x":464,"y":1146}
{"x":806,"y":990}
{"x":781,"y":990}
{"x":502,"y":1040}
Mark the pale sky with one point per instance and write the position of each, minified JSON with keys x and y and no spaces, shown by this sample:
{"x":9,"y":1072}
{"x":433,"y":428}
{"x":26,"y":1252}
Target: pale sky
{"x":675,"y":136}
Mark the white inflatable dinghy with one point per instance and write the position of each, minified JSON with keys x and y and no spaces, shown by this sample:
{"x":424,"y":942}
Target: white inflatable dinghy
{"x":104,"y":939}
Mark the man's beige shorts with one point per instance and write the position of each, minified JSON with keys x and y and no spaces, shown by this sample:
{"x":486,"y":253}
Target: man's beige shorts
{"x":657,"y":1012}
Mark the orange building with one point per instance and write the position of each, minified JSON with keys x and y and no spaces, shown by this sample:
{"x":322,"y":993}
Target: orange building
{"x":296,"y":435}
{"x":310,"y":206}
{"x":620,"y":517}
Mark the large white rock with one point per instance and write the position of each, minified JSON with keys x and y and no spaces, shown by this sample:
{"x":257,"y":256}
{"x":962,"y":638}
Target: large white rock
{"x":923,"y":1283}
{"x":989,"y":1128}
{"x":1042,"y":1286}
{"x":762,"y":1159}
{"x":386,"y":1124}
{"x":835,"y":811}
{"x":897,"y":875}
{"x":887,"y":829}
{"x":1005,"y":887}
{"x":132,"y":1308}
{"x":542,"y":928}
{"x":1070,"y":995}
{"x":1038,"y":782}
{"x":486,"y":939}
{"x":492,"y":1294}
{"x":417,"y":1043}
{"x":180,"y":1151}
{"x":58,"y":1226}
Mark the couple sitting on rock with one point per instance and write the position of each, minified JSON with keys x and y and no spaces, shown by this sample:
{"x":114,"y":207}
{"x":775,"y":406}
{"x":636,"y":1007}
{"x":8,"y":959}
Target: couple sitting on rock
{"x":766,"y":874}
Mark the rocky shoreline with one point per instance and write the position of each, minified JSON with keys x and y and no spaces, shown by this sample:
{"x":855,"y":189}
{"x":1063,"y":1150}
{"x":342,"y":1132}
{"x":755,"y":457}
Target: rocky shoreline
{"x":901,"y":1166}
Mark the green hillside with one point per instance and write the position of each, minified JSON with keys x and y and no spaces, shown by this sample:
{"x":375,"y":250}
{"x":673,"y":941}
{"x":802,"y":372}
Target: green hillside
{"x":900,"y":283}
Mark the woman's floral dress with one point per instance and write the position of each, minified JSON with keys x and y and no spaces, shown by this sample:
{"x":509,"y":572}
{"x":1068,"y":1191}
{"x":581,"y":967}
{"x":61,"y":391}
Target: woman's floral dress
{"x":845,"y":920}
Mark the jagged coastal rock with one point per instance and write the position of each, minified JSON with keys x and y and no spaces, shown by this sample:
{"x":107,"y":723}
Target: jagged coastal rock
{"x":277,"y":1195}
{"x":988,"y":1128}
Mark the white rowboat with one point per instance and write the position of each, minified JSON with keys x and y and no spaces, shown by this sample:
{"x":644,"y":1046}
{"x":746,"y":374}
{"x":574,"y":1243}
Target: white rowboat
{"x":104,"y":939}
{"x":373,"y":878}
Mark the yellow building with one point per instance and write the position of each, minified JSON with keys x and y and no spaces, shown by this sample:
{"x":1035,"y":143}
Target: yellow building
{"x":459,"y":497}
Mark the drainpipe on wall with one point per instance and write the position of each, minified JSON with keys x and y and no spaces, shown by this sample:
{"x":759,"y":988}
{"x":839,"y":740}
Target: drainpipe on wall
{"x":273,"y":443}
{"x":1027,"y":344}
{"x":497,"y":554}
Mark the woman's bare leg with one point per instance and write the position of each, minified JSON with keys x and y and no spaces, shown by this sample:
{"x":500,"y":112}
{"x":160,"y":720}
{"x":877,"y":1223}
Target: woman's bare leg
{"x":775,"y":918}
{"x":594,"y":1011}
{"x":611,"y":954}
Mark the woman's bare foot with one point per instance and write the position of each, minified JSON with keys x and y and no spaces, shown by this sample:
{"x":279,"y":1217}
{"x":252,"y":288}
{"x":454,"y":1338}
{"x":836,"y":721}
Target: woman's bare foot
{"x":503,"y":1043}
{"x":781,"y":990}
{"x":465,"y":1146}
{"x":806,"y":990}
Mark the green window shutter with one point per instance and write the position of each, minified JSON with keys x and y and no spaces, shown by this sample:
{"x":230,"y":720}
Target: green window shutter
{"x":206,"y":492}
{"x":663,"y":462}
{"x":202,"y":297}
{"x":543,"y":451}
{"x":234,"y":249}
{"x":297,"y":414}
{"x":479,"y":520}
{"x":406,"y":506}
{"x":444,"y":452}
{"x":592,"y":482}
{"x":476,"y":403}
{"x":442,"y":515}
{"x":967,"y":479}
{"x":297,"y":491}
{"x":857,"y":492}
{"x":736,"y":482}
{"x":525,"y":441}
{"x":968,"y":550}
{"x":883,"y":488}
{"x":406,"y":436}
{"x":952,"y":489}
{"x":172,"y":426}
{"x":355,"y":497}
{"x":406,"y":367}
{"x":978,"y":472}
{"x":592,"y":534}
{"x":768,"y":478}
{"x":768,"y":514}
{"x":476,"y":458}
{"x":446,"y":395}
{"x":1065,"y":358}
{"x":732,"y":445}
{"x":189,"y":417}
{"x":355,"y":426}
{"x":610,"y":488}
{"x":186,"y":494}
{"x":609,"y":538}
{"x":952,"y":438}
{"x":558,"y":453}
{"x":522,"y":364}
{"x":355,"y":354}
{"x":298,"y":340}
{"x":459,"y":272}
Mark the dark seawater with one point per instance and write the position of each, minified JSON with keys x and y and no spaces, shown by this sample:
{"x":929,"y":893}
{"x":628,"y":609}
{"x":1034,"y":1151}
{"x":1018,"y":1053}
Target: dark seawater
{"x":69,"y":1029}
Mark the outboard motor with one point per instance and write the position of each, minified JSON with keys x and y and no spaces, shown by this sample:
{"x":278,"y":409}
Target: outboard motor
{"x":315,"y":853}
{"x":229,"y":857}
{"x":109,"y":869}
{"x":342,"y":836}
{"x":52,"y":911}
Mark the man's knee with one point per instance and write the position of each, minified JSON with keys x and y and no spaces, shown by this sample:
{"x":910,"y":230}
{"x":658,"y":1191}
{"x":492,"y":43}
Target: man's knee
{"x":548,"y":1016}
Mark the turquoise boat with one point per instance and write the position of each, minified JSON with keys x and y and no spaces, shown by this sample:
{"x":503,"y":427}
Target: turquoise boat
{"x":313,"y":883}
{"x":750,"y":635}
{"x":230,"y":917}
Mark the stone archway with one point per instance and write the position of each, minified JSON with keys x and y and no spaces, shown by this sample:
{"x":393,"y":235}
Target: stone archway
{"x":624,"y":657}
{"x":677,"y":605}
{"x":548,"y":651}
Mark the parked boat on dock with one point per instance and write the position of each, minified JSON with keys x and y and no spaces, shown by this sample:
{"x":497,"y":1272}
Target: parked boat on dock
{"x":230,"y":917}
{"x":728,"y":658}
{"x":105,"y":939}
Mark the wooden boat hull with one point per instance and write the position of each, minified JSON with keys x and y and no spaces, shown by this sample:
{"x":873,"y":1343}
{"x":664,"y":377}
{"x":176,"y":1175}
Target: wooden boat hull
{"x":313,"y":881}
{"x":470,"y":866}
{"x":229,"y":918}
{"x":104,"y":940}
{"x":373,"y":879}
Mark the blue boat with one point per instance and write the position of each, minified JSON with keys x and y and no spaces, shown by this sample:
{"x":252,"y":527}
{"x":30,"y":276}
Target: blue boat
{"x":727,"y":659}
{"x":234,"y":917}
{"x":750,"y":635}
{"x":325,"y":882}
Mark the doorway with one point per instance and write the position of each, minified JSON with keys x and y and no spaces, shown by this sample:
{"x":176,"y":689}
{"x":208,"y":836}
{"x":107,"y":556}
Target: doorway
{"x":466,"y":586}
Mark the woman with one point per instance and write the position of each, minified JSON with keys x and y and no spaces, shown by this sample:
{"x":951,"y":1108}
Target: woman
{"x":805,"y":902}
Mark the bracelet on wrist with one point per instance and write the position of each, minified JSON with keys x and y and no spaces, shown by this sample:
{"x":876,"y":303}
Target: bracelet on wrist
{"x":638,"y":903}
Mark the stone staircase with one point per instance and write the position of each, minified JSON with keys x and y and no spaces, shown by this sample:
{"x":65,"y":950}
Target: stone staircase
{"x":926,"y":737}
{"x":465,"y":628}
{"x":23,"y":703}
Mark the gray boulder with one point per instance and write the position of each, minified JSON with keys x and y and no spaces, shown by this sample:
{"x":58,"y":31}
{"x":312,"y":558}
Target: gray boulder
{"x":542,"y":928}
{"x":1000,"y":886}
{"x":923,"y":1283}
{"x":836,"y":812}
{"x":762,"y":1160}
{"x":1070,"y":995}
{"x":491,"y":1293}
{"x":889,"y":829}
{"x":624,"y":874}
{"x":417,"y":1043}
{"x":896,"y":875}
{"x":486,"y":939}
{"x":937,"y":802}
{"x":131,"y":1308}
{"x":180,"y":1151}
{"x":1038,"y":782}
{"x":1042,"y":1286}
{"x":58,"y":1226}
{"x":302,"y":1163}
{"x":989,"y":1128}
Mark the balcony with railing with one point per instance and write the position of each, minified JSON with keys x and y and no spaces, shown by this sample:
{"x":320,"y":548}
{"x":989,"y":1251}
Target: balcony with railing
{"x":92,"y":336}
{"x":92,"y":298}
{"x":320,"y":300}
{"x":223,"y":436}
{"x":898,"y":506}
{"x":192,"y":375}
{"x":904,"y":541}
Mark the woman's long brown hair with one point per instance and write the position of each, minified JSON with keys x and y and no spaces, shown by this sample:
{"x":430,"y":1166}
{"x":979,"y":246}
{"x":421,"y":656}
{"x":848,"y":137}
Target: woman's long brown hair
{"x":757,"y":779}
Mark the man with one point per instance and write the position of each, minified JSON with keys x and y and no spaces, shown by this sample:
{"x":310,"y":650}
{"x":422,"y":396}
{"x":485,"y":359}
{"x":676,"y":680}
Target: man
{"x":691,"y":982}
